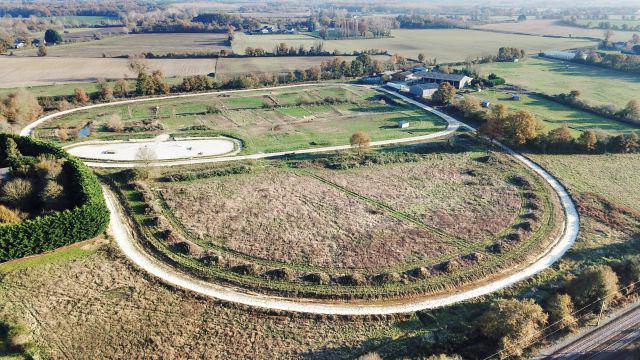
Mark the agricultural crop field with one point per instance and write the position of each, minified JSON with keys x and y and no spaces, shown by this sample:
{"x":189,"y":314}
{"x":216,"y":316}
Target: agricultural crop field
{"x":354,"y":225}
{"x":551,"y":28}
{"x":554,"y":77}
{"x":553,"y":114}
{"x":445,"y":45}
{"x":36,"y":71}
{"x":124,"y":45}
{"x":265,"y":121}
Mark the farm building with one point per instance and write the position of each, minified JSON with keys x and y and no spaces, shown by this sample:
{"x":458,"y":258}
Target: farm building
{"x":560,"y":55}
{"x":459,"y":81}
{"x":371,"y":80}
{"x":403,"y":124}
{"x":398,"y":86}
{"x":515,"y":97}
{"x":486,"y":104}
{"x":423,"y":90}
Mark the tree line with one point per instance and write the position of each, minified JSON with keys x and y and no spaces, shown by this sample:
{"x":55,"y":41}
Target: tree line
{"x":522,"y":129}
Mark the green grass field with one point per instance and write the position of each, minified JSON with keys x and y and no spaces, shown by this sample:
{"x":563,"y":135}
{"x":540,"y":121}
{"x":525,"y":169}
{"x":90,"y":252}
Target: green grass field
{"x":613,"y":22}
{"x":554,"y":115}
{"x":245,"y":117}
{"x":596,"y":84}
{"x":614,"y":176}
{"x":445,"y":45}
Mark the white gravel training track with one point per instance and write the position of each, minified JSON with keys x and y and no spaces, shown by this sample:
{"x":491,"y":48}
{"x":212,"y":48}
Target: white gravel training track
{"x":132,"y":249}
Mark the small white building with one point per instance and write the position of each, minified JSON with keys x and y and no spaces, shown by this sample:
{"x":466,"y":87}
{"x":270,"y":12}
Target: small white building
{"x":403,"y":124}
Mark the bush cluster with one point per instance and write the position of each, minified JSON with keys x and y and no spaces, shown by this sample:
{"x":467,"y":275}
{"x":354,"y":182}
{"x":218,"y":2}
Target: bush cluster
{"x":87,"y":218}
{"x":190,"y":176}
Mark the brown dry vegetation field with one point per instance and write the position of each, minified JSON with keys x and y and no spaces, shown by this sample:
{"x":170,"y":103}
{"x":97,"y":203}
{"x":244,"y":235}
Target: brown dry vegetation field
{"x":433,"y":219}
{"x":124,"y":45}
{"x":284,"y":216}
{"x":552,"y":28}
{"x":452,"y":192}
{"x":96,"y":304}
{"x":34,"y":71}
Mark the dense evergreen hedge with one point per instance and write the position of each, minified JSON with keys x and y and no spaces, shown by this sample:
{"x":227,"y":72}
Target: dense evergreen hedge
{"x":86,"y":219}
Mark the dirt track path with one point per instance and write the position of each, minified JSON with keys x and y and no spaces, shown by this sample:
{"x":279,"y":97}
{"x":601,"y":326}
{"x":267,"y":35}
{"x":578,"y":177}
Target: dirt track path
{"x":132,"y":249}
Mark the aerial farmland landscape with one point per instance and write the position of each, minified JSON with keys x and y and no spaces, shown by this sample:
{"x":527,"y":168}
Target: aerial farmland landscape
{"x":319,"y":180}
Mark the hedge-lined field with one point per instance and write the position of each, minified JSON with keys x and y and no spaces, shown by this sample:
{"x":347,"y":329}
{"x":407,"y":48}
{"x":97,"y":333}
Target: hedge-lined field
{"x":272,"y":242}
{"x":264,"y":120}
{"x":86,"y":219}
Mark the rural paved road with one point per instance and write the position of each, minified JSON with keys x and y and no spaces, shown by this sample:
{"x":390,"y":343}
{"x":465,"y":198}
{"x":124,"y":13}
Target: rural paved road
{"x":607,"y":341}
{"x":124,"y":237}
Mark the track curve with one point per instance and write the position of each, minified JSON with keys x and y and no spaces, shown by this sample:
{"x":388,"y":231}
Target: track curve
{"x":132,"y":249}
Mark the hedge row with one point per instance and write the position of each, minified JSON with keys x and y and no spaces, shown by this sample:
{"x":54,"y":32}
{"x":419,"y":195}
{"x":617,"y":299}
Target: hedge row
{"x":88,"y":217}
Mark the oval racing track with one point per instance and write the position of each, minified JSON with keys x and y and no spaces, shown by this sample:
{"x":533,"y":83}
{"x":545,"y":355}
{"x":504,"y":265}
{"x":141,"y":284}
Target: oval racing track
{"x":123,"y":235}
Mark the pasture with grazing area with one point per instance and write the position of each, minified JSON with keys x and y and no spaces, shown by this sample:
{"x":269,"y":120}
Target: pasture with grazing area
{"x":553,"y":114}
{"x":612,"y":176}
{"x":264,"y":120}
{"x":448,"y":45}
{"x":598,"y":85}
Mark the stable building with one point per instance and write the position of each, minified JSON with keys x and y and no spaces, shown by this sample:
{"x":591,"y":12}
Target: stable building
{"x":458,"y":81}
{"x":423,"y":90}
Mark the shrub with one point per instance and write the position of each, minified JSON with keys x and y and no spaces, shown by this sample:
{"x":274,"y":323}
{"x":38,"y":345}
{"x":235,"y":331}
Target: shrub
{"x":186,"y":247}
{"x":8,"y":216}
{"x":190,"y":176}
{"x":246,"y":269}
{"x":51,"y":194}
{"x":114,"y":123}
{"x":560,"y":309}
{"x":211,"y":259}
{"x":280,"y":274}
{"x":352,"y":280}
{"x":317,"y":278}
{"x":595,"y":288}
{"x":629,"y":272}
{"x":513,"y":324}
{"x":419,"y":273}
{"x":386,"y":278}
{"x":48,"y":167}
{"x":17,"y":192}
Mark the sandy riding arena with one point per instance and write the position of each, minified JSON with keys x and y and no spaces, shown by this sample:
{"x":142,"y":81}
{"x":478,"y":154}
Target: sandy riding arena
{"x":161,"y":148}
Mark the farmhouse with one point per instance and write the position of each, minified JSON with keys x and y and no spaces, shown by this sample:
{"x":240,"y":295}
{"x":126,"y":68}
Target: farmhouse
{"x":459,"y":81}
{"x":423,"y":90}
